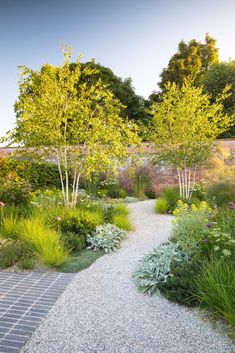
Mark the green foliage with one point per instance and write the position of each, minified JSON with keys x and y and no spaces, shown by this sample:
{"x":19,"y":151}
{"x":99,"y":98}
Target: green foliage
{"x":191,"y":61}
{"x":45,"y":242}
{"x":74,"y":241}
{"x":216,"y":288}
{"x":221,"y":193}
{"x":122,"y":221}
{"x":38,"y":174}
{"x":189,"y":230}
{"x":172,"y":195}
{"x":218,"y":244}
{"x":154,"y":268}
{"x":10,"y":227}
{"x":106,"y":237}
{"x":161,"y":205}
{"x":14,"y":252}
{"x":81,"y":222}
{"x":179,"y":285}
{"x":225,"y":220}
{"x":122,"y":90}
{"x":15,"y":190}
{"x":214,"y":81}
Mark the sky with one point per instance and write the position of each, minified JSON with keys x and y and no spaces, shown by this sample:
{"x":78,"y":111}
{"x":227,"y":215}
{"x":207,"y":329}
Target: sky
{"x":135,"y":38}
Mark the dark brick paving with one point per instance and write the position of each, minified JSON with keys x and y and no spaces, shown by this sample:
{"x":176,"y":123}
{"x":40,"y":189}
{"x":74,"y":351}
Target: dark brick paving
{"x":25,"y":299}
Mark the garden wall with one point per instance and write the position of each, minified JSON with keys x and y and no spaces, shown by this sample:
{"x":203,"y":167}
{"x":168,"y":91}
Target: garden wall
{"x":162,"y":175}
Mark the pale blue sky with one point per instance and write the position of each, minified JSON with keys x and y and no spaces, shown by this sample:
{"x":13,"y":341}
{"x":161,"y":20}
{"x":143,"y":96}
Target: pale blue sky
{"x":134,"y":38}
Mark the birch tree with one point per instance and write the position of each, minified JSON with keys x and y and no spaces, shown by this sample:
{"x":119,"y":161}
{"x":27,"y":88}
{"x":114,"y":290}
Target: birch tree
{"x":183,"y":129}
{"x":79,"y":125}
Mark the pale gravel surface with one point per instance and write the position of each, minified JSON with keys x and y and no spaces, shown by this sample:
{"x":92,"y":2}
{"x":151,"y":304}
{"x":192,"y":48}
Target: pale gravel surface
{"x":102,"y":312}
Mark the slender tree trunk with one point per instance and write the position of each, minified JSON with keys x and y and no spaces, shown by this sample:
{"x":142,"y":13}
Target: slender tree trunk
{"x":61,"y":180}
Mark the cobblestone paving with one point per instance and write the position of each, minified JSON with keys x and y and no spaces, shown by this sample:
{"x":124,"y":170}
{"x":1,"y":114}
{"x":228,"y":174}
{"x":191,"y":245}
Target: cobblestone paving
{"x":25,"y":300}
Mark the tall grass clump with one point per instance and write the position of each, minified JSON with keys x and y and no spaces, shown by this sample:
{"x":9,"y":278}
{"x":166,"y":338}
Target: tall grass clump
{"x":161,"y":205}
{"x":45,"y":242}
{"x":10,"y":227}
{"x":216,"y":288}
{"x":121,"y":217}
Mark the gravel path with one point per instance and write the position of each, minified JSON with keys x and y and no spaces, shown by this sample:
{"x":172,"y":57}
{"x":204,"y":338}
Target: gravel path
{"x":102,"y":312}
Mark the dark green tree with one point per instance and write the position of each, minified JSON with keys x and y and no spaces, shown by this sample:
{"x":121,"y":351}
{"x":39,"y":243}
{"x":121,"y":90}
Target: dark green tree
{"x":215,"y":80}
{"x":191,"y":61}
{"x":123,"y":90}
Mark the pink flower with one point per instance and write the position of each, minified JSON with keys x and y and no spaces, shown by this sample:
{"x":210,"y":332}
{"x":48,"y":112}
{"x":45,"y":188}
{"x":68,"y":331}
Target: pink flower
{"x":2,"y":204}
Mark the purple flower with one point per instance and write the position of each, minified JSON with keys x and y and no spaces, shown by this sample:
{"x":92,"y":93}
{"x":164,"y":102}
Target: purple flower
{"x":231,"y":205}
{"x":206,"y":241}
{"x":209,"y":225}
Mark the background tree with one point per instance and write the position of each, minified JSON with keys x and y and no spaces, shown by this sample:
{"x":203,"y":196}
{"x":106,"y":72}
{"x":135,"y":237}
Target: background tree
{"x":123,"y":90}
{"x":60,"y":115}
{"x":215,"y":80}
{"x":184,"y":127}
{"x":191,"y":61}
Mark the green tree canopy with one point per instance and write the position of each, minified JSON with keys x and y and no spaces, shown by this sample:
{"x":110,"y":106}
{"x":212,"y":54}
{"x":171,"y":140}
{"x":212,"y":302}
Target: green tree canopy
{"x":123,"y":90}
{"x":214,"y":82}
{"x":59,"y":114}
{"x":191,"y":61}
{"x":184,"y":126}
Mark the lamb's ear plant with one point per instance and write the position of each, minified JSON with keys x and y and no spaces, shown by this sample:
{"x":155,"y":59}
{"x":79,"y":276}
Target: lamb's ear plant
{"x":154,"y":268}
{"x":106,"y":237}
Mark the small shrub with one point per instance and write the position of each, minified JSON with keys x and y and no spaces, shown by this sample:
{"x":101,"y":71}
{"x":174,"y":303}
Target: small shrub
{"x":154,"y":268}
{"x":216,"y":288}
{"x":179,"y":286}
{"x":15,"y":190}
{"x":189,"y":232}
{"x":161,"y":205}
{"x":218,"y":244}
{"x":74,"y":241}
{"x":14,"y":252}
{"x":106,"y":237}
{"x":122,"y":222}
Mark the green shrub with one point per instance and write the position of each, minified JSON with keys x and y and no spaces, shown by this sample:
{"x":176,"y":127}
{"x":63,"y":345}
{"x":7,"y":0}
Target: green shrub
{"x":15,"y":190}
{"x":218,"y":244}
{"x":216,"y":288}
{"x":14,"y":252}
{"x":154,"y":268}
{"x":221,"y":193}
{"x":74,"y":241}
{"x":45,"y":242}
{"x":142,"y":183}
{"x":39,"y":174}
{"x":171,"y":195}
{"x":189,"y":232}
{"x":106,"y":237}
{"x":225,"y":219}
{"x":161,"y":205}
{"x":179,"y":286}
{"x":122,"y":222}
{"x":81,"y":222}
